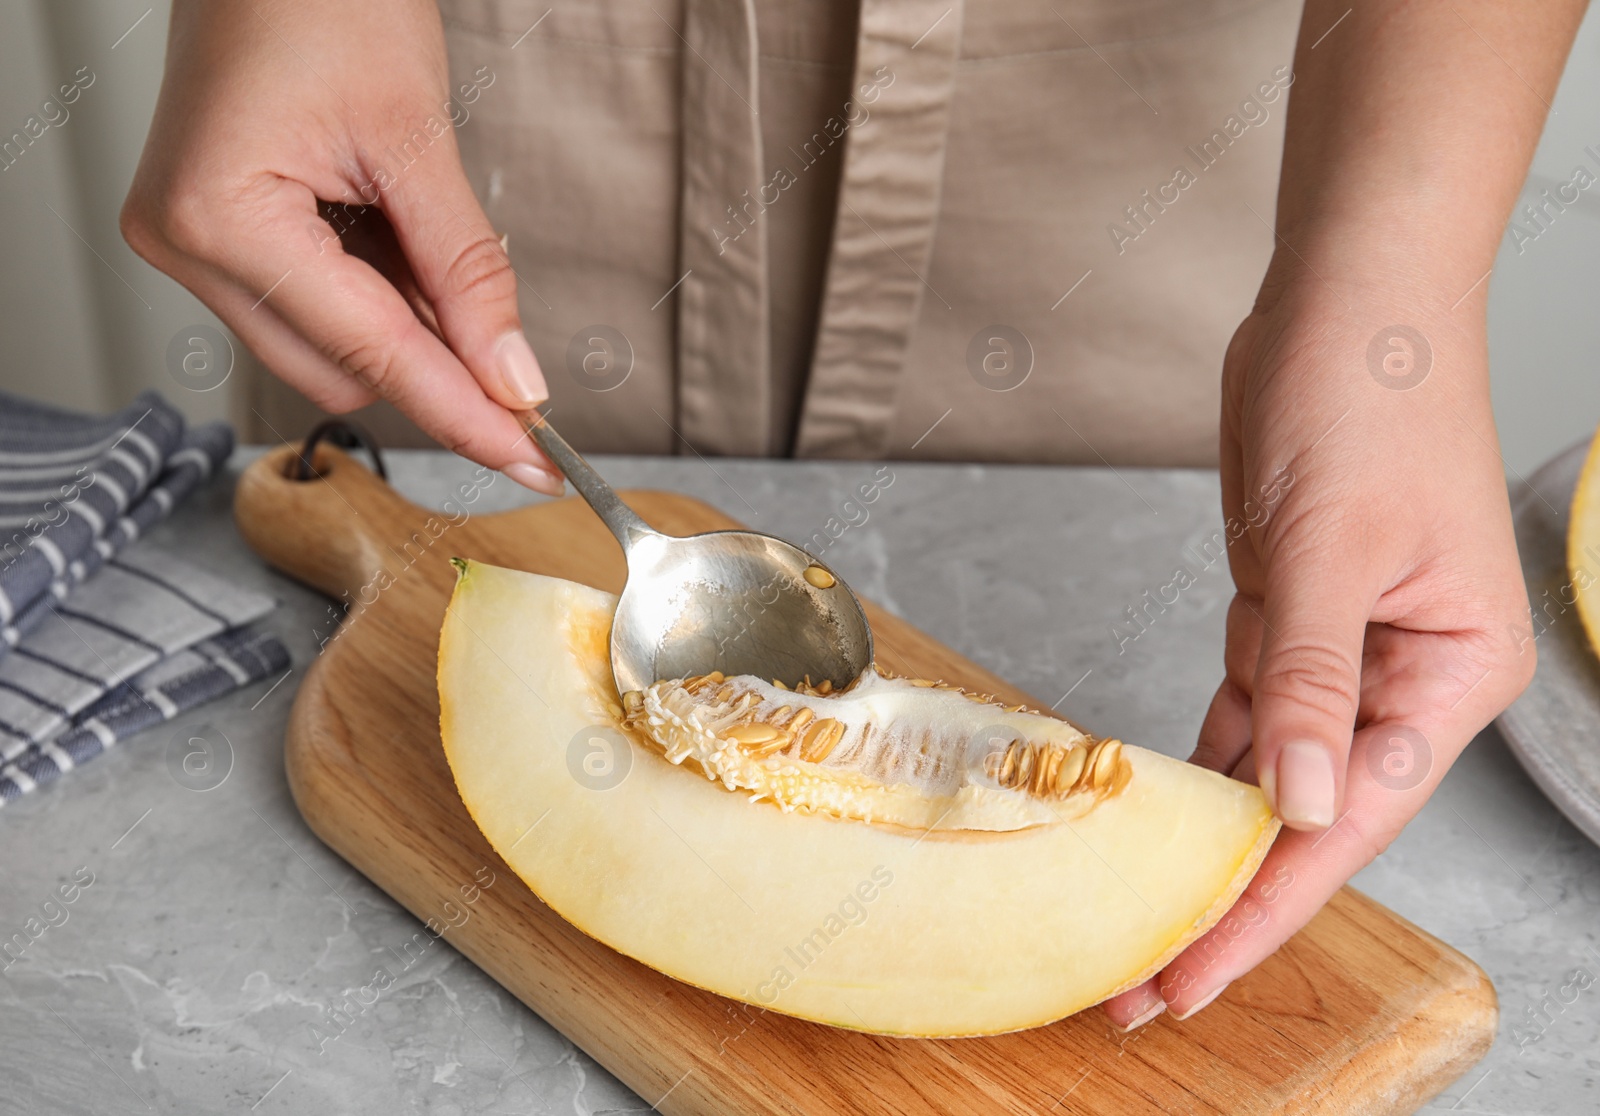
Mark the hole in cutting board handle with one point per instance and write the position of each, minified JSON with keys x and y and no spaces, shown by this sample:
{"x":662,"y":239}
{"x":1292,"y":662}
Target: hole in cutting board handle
{"x":336,"y":432}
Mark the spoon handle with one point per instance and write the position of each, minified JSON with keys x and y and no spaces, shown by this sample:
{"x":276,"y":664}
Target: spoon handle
{"x":624,"y":523}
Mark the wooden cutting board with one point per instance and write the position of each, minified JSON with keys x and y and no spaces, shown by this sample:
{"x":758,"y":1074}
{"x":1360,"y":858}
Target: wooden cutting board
{"x":1360,"y":1013}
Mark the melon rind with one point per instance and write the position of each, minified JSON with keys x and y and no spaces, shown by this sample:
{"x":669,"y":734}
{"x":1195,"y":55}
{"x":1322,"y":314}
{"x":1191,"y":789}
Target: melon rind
{"x":1583,"y":544}
{"x":862,"y":926}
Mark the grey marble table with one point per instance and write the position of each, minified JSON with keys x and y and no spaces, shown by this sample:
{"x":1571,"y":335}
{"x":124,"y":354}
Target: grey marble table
{"x":217,"y":931}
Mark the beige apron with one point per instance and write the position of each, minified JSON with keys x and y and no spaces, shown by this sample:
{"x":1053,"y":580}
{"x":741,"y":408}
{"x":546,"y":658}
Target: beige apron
{"x":994,"y":231}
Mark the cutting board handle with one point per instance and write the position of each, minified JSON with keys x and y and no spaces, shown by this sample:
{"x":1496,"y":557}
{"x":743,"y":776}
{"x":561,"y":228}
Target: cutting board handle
{"x":338,"y":531}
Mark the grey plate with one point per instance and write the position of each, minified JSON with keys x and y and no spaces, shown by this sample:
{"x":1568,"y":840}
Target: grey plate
{"x":1554,"y":727}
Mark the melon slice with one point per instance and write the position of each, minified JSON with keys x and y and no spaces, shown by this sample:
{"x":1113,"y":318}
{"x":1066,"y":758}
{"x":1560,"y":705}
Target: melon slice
{"x":899,"y":858}
{"x":1583,"y":545}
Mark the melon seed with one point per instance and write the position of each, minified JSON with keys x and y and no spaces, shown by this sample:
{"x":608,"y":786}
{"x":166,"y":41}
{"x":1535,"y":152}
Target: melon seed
{"x":752,"y":734}
{"x":1008,"y":765}
{"x":1048,"y":756}
{"x":776,"y":744}
{"x":1025,"y":760}
{"x":819,"y":577}
{"x":1045,"y":778}
{"x":1105,"y":762}
{"x":820,"y":739}
{"x":1071,"y":767}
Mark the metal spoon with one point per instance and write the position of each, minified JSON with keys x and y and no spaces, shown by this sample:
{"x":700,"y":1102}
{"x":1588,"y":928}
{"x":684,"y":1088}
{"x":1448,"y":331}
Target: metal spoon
{"x":735,"y":601}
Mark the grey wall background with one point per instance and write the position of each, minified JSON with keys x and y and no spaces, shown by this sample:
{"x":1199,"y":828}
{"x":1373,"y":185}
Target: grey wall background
{"x":83,"y":321}
{"x":86,"y":323}
{"x":1544,"y":300}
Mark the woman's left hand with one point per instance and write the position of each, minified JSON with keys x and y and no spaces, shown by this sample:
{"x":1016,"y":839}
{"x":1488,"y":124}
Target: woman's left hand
{"x":1380,"y":620}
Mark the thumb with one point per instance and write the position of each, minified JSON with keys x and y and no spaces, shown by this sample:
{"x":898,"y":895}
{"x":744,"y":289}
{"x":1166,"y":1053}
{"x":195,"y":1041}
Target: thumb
{"x":464,"y":271}
{"x":1308,"y":684}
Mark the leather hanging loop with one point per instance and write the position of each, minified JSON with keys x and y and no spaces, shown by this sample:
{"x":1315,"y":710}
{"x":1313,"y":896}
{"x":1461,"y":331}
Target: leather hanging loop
{"x":336,"y":432}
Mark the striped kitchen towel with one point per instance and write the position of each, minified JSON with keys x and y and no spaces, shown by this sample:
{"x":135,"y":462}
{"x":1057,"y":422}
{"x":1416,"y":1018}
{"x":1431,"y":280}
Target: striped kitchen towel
{"x":144,"y":606}
{"x":75,"y":489}
{"x":202,"y":673}
{"x":98,"y":638}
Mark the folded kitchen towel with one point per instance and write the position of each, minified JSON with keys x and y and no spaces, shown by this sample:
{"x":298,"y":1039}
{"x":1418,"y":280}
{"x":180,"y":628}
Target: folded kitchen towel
{"x":99,"y":639}
{"x":142,"y":607}
{"x":202,"y":673}
{"x":75,"y":489}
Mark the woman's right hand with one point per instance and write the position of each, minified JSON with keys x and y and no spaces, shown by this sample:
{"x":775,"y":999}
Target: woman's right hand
{"x":301,"y":177}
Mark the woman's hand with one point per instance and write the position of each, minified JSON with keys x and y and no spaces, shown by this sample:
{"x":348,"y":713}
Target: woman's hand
{"x":1381,"y":618}
{"x":301,"y":177}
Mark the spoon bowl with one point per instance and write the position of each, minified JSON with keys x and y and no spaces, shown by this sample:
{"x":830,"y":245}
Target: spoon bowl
{"x":736,"y":601}
{"x":739,"y":602}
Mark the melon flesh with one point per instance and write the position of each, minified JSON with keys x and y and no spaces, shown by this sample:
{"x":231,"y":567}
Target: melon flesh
{"x":932,"y":931}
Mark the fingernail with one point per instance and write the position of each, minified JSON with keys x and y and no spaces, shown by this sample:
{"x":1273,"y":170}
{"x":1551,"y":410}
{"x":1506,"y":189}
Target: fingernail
{"x":1304,"y":785}
{"x":1202,"y":1004}
{"x":1267,"y":780}
{"x":1149,"y":1013}
{"x":540,"y":480}
{"x":520,"y":370}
